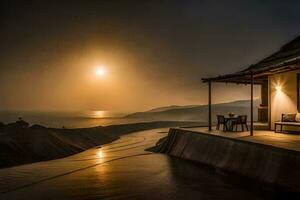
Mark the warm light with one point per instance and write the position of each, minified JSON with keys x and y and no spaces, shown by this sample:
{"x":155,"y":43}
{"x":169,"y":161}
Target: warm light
{"x":98,"y":114}
{"x":100,"y":71}
{"x":278,"y":88}
{"x":100,"y":154}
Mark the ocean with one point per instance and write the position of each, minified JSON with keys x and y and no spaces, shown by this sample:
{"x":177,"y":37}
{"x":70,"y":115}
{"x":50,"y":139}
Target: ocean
{"x":83,"y":119}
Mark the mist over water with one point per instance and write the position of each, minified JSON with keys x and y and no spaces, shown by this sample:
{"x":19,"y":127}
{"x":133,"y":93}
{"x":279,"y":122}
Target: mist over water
{"x":68,"y":119}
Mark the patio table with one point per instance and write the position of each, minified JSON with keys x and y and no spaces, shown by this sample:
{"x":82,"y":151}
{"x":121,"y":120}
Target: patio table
{"x":228,"y":122}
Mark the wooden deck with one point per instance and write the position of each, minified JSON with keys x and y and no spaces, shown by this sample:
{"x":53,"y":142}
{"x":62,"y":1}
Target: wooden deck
{"x":280,"y":140}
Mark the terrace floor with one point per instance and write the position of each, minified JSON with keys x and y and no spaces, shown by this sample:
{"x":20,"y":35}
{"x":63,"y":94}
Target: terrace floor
{"x":280,"y":140}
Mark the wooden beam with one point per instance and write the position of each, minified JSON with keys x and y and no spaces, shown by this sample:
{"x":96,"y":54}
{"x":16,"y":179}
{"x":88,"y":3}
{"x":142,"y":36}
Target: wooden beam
{"x":298,"y":100}
{"x":251,"y":125}
{"x":245,"y":75}
{"x":209,"y":106}
{"x":239,"y":80}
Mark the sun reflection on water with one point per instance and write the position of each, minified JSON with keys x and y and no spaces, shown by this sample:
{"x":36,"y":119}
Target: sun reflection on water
{"x":99,"y":114}
{"x":100,"y":154}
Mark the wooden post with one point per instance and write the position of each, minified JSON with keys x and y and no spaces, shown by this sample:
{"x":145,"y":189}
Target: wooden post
{"x":209,"y":105}
{"x":251,"y":125}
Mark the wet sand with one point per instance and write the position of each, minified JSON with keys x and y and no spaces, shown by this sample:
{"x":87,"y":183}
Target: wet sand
{"x":122,"y":170}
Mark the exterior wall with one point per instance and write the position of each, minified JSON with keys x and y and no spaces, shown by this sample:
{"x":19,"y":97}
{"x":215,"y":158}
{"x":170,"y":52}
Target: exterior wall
{"x":284,"y":100}
{"x":264,"y":163}
{"x":263,"y":115}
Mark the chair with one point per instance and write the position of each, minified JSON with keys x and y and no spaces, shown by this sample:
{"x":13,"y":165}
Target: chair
{"x":242,"y":121}
{"x":221,"y":121}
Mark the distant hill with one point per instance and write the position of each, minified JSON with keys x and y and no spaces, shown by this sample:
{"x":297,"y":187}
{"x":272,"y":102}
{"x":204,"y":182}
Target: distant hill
{"x":161,"y":109}
{"x":196,"y":112}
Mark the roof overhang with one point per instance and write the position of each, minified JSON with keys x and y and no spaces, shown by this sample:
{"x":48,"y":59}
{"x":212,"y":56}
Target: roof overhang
{"x":260,"y":74}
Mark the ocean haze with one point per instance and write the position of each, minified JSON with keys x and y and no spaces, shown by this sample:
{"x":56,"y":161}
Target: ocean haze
{"x":155,"y":52}
{"x":103,"y":118}
{"x":64,"y":119}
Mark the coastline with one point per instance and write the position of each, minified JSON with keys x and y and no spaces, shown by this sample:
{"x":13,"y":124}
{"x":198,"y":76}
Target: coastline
{"x":19,"y":145}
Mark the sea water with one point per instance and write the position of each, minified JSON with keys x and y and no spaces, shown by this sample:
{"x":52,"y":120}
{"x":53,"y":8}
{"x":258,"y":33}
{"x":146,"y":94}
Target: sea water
{"x":82,"y":119}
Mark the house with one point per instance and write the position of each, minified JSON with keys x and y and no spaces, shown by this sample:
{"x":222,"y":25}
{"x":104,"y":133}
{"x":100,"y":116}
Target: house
{"x":279,"y":77}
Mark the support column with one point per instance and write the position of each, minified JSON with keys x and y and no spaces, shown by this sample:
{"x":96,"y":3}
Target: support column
{"x":209,"y":106}
{"x":251,"y":125}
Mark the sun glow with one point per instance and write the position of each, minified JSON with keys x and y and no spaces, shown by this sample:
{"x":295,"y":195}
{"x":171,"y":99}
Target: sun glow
{"x":100,"y":71}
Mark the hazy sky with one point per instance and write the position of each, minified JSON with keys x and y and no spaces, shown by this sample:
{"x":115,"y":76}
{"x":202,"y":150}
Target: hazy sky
{"x":155,"y":52}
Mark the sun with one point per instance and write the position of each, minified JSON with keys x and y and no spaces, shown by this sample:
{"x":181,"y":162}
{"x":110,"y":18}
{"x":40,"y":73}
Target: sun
{"x":100,"y":71}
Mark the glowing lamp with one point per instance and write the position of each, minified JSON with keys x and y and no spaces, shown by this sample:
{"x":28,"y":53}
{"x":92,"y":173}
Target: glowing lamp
{"x":278,"y":88}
